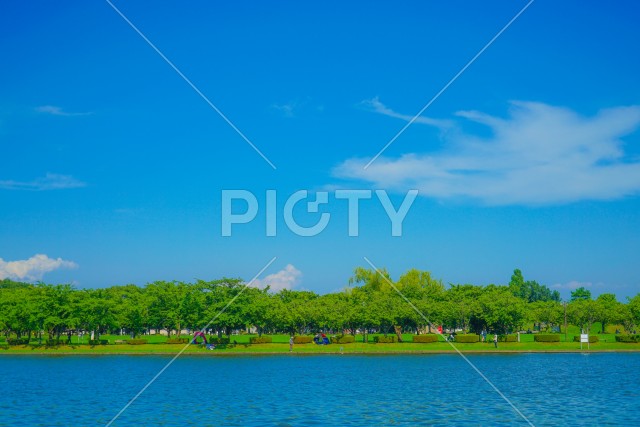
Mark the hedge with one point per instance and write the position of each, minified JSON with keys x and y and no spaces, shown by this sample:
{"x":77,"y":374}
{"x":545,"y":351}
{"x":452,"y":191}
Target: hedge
{"x":592,"y":338}
{"x":470,"y":338}
{"x":260,"y":340}
{"x":343,"y":339}
{"x":18,"y":341}
{"x":136,"y":341}
{"x":506,"y":338}
{"x":302,"y":340}
{"x":219,"y":340}
{"x":628,"y":338}
{"x":177,"y":340}
{"x":546,"y":338}
{"x":425,"y":338}
{"x":98,"y":342}
{"x":382,"y":339}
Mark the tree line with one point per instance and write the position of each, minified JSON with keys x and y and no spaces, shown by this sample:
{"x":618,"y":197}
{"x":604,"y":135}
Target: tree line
{"x":372,"y":302}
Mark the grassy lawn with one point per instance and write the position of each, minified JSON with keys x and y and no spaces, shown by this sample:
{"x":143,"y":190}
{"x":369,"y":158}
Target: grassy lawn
{"x":240,"y":344}
{"x":280,"y":345}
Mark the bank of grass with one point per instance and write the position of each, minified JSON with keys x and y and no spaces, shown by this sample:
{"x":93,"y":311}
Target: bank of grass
{"x":240,"y":345}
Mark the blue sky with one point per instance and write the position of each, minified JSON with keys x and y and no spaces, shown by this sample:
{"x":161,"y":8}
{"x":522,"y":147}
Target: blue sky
{"x":113,"y":167}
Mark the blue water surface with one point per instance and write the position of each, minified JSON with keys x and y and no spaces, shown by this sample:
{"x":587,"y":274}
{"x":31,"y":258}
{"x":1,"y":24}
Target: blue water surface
{"x":333,"y":390}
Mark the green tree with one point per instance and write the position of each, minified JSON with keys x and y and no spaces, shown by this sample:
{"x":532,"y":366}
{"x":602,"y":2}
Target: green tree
{"x":545,"y":313}
{"x":19,"y":309}
{"x":516,"y":284}
{"x":131,"y":308}
{"x":634,"y":311}
{"x":56,"y":305}
{"x":580,"y":294}
{"x":500,"y":310}
{"x":626,"y":318}
{"x":531,"y":290}
{"x":582,"y":313}
{"x":364,"y":315}
{"x":301,"y":312}
{"x":461,"y":306}
{"x":97,"y":311}
{"x":607,"y":310}
{"x":225,"y":305}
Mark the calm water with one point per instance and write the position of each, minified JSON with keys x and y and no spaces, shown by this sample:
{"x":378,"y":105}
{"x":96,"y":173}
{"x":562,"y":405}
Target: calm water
{"x":550,"y":389}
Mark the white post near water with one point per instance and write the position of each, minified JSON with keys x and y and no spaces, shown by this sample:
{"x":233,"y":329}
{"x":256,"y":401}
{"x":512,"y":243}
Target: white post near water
{"x":584,"y":338}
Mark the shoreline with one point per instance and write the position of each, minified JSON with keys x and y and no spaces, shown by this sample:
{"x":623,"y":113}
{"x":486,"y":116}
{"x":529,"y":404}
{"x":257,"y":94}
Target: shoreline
{"x":307,"y":353}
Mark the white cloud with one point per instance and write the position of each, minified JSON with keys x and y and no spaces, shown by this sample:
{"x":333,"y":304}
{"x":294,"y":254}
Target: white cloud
{"x":50,"y":181}
{"x":375,"y":105}
{"x":286,"y":278}
{"x":57,"y":111}
{"x":596,"y":288}
{"x":33,"y":268}
{"x":572,"y":285}
{"x":540,"y":155}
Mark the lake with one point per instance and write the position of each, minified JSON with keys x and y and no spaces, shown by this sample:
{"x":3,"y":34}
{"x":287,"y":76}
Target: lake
{"x":341,"y":390}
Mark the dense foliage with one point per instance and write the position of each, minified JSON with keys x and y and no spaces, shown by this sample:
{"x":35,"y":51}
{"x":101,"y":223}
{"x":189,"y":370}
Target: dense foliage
{"x":425,"y":338}
{"x":468,"y":338}
{"x":372,"y":303}
{"x":547,"y":338}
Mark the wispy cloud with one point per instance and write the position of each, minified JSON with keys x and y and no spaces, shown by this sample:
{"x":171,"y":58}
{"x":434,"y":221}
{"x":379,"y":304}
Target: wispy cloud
{"x":33,"y":268}
{"x":539,"y":155}
{"x":376,"y":106}
{"x":58,"y":111}
{"x":50,"y":181}
{"x":286,"y":278}
{"x":287,"y":110}
{"x":296,"y":107}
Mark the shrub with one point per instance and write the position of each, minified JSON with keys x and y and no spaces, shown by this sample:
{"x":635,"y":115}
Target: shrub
{"x":218,"y":340}
{"x":98,"y":342}
{"x":302,"y":340}
{"x":18,"y":341}
{"x":425,"y":338}
{"x":136,"y":341}
{"x":470,"y":338}
{"x":592,"y":338}
{"x":507,"y":338}
{"x":55,"y":342}
{"x":260,"y":340}
{"x":628,"y":338}
{"x":382,"y":339}
{"x":343,"y":339}
{"x":546,"y":338}
{"x":177,"y":340}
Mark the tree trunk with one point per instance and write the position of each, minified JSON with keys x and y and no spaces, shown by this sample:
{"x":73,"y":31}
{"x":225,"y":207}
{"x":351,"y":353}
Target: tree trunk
{"x":398,"y":330}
